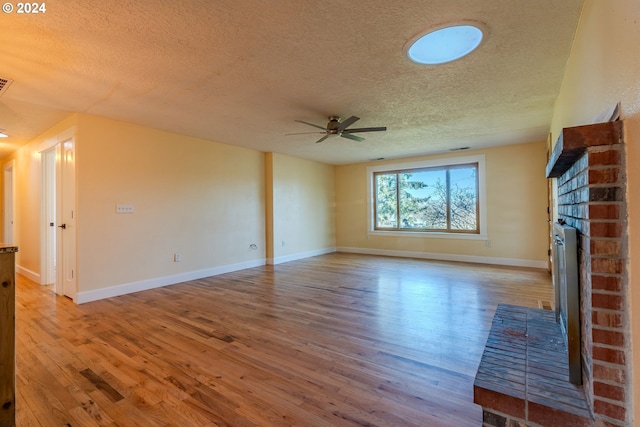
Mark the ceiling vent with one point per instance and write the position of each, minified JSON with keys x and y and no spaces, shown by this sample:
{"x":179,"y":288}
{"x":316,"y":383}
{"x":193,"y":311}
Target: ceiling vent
{"x":4,"y":85}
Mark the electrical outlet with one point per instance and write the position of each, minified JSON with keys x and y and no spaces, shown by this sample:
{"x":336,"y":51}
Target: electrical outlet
{"x":124,"y":209}
{"x":177,"y":257}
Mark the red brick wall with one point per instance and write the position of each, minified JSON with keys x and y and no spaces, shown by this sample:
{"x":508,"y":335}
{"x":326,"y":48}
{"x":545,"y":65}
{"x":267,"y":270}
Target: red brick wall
{"x":591,"y":199}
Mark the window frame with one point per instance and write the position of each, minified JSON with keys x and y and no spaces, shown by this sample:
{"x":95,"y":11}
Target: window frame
{"x":448,"y":162}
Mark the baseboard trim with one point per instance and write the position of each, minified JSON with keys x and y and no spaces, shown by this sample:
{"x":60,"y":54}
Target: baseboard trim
{"x":31,"y":275}
{"x":300,"y":255}
{"x":143,"y":285}
{"x":512,"y":262}
{"x":158,"y":282}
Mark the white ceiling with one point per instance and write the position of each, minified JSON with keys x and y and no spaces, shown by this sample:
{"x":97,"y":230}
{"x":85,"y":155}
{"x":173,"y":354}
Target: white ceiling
{"x":241,"y":71}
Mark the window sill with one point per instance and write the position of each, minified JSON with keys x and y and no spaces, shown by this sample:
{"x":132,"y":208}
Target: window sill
{"x":429,"y":235}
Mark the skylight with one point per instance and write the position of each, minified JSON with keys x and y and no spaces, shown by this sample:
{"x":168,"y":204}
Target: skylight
{"x":445,"y":44}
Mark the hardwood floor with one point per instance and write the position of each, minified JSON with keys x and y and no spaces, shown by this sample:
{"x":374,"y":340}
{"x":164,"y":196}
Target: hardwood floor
{"x":334,"y":340}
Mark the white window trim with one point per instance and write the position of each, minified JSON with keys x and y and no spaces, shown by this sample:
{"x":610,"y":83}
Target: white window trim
{"x":449,"y":161}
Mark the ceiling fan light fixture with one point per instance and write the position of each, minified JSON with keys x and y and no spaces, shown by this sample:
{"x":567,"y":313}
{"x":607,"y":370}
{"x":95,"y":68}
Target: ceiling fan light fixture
{"x":445,"y":44}
{"x":338,"y":127}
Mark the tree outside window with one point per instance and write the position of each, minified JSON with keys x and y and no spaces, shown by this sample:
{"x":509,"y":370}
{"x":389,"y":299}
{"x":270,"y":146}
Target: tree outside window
{"x":437,"y":199}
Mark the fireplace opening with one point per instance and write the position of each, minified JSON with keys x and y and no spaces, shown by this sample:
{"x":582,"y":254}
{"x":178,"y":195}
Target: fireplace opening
{"x":567,"y":294}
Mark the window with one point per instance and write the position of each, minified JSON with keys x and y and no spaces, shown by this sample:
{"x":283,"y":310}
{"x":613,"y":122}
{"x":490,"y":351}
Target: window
{"x":442,"y":197}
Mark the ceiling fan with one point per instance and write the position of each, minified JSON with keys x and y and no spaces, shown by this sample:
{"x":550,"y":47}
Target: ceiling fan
{"x":337,"y":127}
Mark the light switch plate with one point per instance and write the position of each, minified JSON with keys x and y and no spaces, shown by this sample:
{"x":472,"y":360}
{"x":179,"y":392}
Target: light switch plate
{"x":124,"y":209}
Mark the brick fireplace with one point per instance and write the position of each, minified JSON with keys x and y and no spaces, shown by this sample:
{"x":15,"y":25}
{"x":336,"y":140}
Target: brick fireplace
{"x":524,"y":374}
{"x":589,"y":164}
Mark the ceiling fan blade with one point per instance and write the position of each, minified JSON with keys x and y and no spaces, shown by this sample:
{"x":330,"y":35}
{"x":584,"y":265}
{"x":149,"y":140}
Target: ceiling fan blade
{"x":303,"y":133}
{"x":310,"y":124}
{"x":349,"y":136}
{"x":323,"y":138}
{"x":375,"y":129}
{"x":348,"y":122}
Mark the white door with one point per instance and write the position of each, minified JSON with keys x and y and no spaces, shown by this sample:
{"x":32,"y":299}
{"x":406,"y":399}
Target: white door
{"x":7,"y":238}
{"x":49,"y":230}
{"x":66,"y":224}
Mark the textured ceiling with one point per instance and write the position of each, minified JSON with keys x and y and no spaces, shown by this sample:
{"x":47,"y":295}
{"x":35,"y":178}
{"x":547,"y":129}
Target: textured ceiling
{"x":241,"y":71}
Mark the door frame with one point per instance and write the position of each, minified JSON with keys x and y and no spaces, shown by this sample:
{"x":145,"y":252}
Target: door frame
{"x":66,"y":215}
{"x":50,"y":245}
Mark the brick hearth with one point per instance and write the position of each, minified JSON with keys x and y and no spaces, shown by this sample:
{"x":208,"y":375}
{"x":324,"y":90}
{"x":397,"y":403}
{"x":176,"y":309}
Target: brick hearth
{"x":523,"y":377}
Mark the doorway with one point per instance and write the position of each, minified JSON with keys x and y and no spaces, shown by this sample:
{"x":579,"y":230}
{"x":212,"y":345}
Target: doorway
{"x":59,"y":217}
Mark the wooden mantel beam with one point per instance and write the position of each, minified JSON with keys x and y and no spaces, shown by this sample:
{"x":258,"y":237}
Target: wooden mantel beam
{"x":573,"y":142}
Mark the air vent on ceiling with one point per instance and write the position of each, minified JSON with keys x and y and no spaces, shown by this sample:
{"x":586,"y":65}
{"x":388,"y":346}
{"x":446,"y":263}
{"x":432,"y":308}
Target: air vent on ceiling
{"x":4,"y":85}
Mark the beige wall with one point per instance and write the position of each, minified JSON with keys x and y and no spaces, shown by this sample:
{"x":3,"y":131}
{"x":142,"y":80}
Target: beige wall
{"x":191,"y":196}
{"x":204,"y":200}
{"x":633,"y":196}
{"x":604,"y":67}
{"x":303,"y":207}
{"x":516,"y":211}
